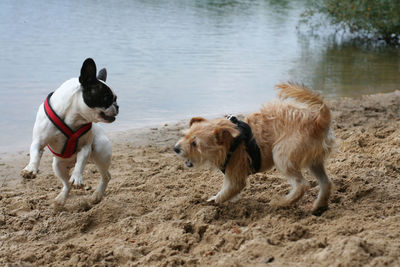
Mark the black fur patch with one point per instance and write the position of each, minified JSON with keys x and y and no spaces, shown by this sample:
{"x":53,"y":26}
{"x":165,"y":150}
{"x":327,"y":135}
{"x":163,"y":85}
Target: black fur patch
{"x":95,"y":92}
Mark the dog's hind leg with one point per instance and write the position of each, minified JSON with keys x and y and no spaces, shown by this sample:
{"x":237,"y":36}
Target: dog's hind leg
{"x":101,"y":156}
{"x":61,"y":170}
{"x":296,"y":179}
{"x":299,"y":187}
{"x":321,"y":203}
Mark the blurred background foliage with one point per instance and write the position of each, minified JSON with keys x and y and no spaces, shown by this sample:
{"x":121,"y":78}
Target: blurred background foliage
{"x":367,"y":20}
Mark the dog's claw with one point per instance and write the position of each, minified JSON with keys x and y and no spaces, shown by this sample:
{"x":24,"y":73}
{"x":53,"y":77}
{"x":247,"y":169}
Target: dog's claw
{"x":76,"y":186}
{"x":79,"y":186}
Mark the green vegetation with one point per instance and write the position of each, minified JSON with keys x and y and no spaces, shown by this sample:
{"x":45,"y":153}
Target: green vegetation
{"x":367,"y":19}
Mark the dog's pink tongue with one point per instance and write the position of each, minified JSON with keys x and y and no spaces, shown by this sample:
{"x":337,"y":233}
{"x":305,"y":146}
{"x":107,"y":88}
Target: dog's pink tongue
{"x":189,"y":163}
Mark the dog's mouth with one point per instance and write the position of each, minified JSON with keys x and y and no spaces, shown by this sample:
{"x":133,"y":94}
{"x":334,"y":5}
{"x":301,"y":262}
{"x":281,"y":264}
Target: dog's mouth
{"x":107,"y":118}
{"x":189,"y":164}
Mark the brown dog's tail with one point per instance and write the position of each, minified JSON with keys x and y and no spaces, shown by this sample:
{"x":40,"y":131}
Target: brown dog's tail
{"x":313,"y":100}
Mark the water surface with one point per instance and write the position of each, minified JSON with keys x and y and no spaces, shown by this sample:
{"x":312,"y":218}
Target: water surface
{"x":170,"y":60}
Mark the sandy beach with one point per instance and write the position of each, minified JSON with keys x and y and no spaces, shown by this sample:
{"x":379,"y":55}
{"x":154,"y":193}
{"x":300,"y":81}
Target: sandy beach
{"x":155,"y":211}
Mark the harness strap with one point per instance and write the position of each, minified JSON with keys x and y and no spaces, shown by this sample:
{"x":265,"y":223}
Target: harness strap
{"x":72,"y":137}
{"x":252,"y":148}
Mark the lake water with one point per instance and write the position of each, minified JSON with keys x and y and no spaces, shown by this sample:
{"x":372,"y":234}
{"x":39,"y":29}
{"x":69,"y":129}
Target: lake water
{"x":169,"y":60}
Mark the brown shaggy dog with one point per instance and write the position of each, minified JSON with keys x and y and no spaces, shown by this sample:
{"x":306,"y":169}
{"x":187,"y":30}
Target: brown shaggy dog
{"x":291,"y":134}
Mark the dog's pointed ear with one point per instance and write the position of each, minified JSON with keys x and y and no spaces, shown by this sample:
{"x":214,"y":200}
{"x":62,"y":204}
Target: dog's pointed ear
{"x":102,"y":75}
{"x":224,"y":135}
{"x":195,"y":120}
{"x":88,"y":72}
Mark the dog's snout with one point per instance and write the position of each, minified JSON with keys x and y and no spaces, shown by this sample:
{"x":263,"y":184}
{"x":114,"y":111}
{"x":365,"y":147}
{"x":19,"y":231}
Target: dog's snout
{"x":116,"y":107}
{"x":177,"y":149}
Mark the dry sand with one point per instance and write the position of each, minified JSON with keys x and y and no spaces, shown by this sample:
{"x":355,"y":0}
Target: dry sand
{"x":155,"y":210}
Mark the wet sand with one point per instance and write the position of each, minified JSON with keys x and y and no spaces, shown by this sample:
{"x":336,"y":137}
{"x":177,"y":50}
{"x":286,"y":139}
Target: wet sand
{"x":155,"y":210}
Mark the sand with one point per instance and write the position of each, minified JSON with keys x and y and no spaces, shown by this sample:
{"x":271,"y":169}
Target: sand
{"x":155,"y":210}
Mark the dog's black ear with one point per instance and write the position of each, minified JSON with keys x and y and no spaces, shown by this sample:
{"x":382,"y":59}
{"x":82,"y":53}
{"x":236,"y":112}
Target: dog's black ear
{"x":102,"y":75}
{"x":88,"y":72}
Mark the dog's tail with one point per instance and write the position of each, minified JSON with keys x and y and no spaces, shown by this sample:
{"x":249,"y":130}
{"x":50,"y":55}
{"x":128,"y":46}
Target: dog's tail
{"x":304,"y":95}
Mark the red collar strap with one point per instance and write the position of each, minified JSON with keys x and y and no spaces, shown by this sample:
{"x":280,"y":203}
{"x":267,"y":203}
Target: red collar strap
{"x":72,"y":137}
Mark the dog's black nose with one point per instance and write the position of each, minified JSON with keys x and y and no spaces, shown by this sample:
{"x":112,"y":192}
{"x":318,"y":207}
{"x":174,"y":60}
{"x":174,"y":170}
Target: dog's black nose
{"x":177,"y":149}
{"x":116,"y":107}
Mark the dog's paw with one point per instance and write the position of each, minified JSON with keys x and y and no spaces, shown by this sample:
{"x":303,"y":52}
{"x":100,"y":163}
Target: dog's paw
{"x":28,"y":173}
{"x":211,"y":199}
{"x":76,"y":181}
{"x":319,"y":211}
{"x":58,"y":206}
{"x":216,"y":199}
{"x":95,"y":198}
{"x":235,"y":198}
{"x":60,"y":200}
{"x":279,"y":202}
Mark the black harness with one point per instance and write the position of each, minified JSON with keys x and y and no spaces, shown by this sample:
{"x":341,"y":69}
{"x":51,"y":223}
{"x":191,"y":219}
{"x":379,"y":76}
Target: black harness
{"x":252,"y":148}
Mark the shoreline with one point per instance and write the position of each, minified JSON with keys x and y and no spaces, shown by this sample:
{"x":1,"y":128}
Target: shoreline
{"x":19,"y":148}
{"x":155,"y":210}
{"x":140,"y":131}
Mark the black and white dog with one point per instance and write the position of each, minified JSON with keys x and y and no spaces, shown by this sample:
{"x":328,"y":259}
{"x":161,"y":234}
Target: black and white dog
{"x":64,"y":124}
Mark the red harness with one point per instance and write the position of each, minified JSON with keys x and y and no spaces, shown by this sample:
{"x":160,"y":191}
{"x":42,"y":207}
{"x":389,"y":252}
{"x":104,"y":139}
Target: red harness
{"x":72,"y":137}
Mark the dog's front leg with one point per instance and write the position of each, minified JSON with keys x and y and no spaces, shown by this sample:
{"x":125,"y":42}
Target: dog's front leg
{"x":230,"y":189}
{"x":35,"y":152}
{"x":81,"y":159}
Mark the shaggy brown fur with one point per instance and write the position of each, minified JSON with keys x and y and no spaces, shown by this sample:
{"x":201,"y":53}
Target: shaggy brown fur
{"x":292,"y":135}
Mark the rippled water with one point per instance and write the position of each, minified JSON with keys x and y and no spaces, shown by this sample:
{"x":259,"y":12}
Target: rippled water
{"x":169,"y":60}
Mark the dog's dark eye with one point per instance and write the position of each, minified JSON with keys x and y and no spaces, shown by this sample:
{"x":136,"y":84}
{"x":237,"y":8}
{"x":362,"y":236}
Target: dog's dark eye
{"x":194,"y":143}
